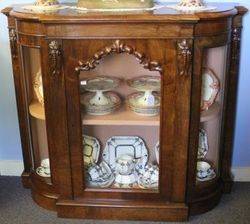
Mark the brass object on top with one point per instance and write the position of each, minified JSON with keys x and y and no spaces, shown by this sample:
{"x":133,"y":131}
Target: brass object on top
{"x":115,"y":4}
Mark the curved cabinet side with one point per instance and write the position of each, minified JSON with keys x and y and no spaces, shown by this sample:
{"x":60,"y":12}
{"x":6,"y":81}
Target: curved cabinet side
{"x":20,"y":98}
{"x":232,"y":99}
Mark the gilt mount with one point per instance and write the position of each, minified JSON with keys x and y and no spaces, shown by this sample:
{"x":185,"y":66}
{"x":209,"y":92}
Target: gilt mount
{"x":236,"y":38}
{"x":118,"y":47}
{"x":184,"y":57}
{"x":13,"y":42}
{"x":55,"y":55}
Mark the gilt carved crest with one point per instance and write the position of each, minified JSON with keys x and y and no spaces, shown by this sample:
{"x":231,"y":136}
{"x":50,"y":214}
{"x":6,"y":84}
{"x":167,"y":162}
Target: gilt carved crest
{"x":55,"y":55}
{"x":184,"y":57}
{"x":13,"y":42}
{"x":118,"y":47}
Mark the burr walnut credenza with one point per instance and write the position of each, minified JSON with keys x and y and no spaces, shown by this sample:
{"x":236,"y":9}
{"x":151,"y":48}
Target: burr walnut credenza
{"x":126,"y":115}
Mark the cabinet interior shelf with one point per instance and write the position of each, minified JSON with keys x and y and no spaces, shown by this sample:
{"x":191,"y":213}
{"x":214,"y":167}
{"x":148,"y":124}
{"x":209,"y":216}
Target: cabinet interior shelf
{"x":212,"y":113}
{"x":123,"y":116}
{"x":37,"y":110}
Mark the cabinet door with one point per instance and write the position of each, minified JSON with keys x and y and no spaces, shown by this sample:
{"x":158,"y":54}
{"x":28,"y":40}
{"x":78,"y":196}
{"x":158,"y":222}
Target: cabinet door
{"x":207,"y":132}
{"x":32,"y":83}
{"x":128,"y":117}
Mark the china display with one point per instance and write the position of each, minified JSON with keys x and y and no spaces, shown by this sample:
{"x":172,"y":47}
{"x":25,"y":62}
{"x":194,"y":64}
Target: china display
{"x":126,"y":108}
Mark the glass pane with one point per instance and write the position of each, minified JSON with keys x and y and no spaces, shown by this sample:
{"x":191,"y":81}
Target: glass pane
{"x":120,"y":103}
{"x":34,"y":94}
{"x":213,"y":85}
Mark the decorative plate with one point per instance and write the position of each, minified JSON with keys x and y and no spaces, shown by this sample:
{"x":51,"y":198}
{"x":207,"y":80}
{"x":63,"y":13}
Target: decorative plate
{"x":135,"y":105}
{"x":205,"y":172}
{"x":150,"y":178}
{"x":91,"y":150}
{"x":93,"y":109}
{"x":133,"y":146}
{"x":100,"y":175}
{"x":101,"y":83}
{"x":157,"y":152}
{"x":210,"y":88}
{"x":145,"y":83}
{"x":203,"y":144}
{"x":38,"y":87}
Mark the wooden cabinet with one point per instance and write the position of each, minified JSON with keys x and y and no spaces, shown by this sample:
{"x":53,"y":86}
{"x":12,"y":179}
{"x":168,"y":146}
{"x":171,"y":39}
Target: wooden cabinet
{"x":196,"y":59}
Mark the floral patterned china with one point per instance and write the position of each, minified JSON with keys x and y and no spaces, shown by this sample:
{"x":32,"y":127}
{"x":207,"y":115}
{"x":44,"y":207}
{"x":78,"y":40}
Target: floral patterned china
{"x":100,"y":175}
{"x":192,"y":5}
{"x":145,"y":102}
{"x":101,"y":83}
{"x":91,"y":150}
{"x":145,"y":83}
{"x":112,"y":99}
{"x":43,"y":6}
{"x":118,"y":146}
{"x":126,"y":181}
{"x":205,"y":172}
{"x":203,"y":144}
{"x":150,"y":178}
{"x":125,"y":172}
{"x":44,"y":169}
{"x":210,"y":88}
{"x":137,"y":105}
{"x":98,"y":101}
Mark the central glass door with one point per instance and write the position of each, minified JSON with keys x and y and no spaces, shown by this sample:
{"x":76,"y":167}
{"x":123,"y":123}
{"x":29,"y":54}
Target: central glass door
{"x":128,"y":118}
{"x":120,"y":113}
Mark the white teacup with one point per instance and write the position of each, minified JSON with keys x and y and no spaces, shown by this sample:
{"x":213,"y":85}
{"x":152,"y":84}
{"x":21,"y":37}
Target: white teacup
{"x":45,"y":163}
{"x":204,"y":169}
{"x":125,"y":165}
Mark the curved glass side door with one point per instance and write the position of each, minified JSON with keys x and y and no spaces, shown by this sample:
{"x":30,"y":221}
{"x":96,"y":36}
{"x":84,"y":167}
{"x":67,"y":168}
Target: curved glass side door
{"x":34,"y":95}
{"x":212,"y":103}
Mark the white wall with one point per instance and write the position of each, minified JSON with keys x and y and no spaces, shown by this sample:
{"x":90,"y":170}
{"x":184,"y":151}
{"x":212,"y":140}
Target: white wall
{"x":9,"y":132}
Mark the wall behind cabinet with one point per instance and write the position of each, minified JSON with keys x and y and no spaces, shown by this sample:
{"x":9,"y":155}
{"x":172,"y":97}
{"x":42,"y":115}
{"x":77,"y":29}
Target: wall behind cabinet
{"x":10,"y":148}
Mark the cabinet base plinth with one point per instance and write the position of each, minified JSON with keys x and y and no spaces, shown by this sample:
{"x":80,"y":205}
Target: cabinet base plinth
{"x":123,"y":211}
{"x":25,"y":179}
{"x":44,"y":201}
{"x":207,"y":203}
{"x":227,"y":185}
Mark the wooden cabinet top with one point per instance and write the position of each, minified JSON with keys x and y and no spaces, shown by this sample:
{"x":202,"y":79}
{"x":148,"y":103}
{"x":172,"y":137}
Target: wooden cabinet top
{"x":160,"y":15}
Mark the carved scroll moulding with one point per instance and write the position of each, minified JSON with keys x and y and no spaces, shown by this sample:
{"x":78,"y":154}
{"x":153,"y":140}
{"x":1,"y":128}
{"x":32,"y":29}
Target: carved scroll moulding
{"x":118,"y":47}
